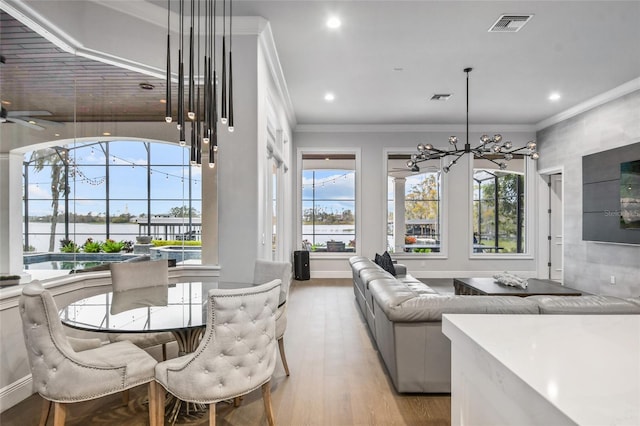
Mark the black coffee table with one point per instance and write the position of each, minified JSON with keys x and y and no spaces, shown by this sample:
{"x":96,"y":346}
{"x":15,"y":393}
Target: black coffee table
{"x":489,"y":287}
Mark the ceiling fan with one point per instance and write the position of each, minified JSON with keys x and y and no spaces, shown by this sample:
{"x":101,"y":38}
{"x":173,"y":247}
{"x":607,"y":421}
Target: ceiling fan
{"x":28,"y":119}
{"x":403,"y":171}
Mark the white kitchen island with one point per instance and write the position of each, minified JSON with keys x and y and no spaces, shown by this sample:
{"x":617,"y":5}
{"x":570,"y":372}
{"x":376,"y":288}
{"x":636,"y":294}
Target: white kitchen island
{"x":544,"y":369}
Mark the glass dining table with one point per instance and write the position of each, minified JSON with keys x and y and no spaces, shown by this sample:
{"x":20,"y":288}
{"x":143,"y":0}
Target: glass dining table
{"x":180,"y":308}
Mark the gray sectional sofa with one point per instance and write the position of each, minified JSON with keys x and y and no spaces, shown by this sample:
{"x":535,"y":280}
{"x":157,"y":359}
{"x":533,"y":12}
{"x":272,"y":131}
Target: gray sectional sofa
{"x":404,"y":317}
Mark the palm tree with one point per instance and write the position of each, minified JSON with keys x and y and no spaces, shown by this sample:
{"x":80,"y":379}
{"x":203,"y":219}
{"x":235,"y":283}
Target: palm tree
{"x":57,"y":159}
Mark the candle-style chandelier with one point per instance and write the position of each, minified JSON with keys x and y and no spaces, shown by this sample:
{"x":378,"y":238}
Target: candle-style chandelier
{"x":201,"y":106}
{"x":493,"y":149}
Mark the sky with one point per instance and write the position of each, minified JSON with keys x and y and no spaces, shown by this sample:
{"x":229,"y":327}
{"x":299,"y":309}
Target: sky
{"x":128,"y":179}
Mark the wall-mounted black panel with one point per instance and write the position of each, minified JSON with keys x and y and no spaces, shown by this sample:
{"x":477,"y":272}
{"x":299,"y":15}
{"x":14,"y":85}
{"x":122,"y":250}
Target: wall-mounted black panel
{"x":601,"y":196}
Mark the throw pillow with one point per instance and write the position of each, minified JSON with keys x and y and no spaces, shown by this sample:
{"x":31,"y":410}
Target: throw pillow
{"x":387,"y":263}
{"x":378,"y":260}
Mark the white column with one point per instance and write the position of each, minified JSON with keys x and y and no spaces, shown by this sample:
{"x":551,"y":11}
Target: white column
{"x":11,"y":214}
{"x":399,"y":228}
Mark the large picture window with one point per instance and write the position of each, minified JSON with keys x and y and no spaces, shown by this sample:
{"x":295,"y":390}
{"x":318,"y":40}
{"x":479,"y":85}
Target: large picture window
{"x":499,"y":207}
{"x":109,"y":190}
{"x":413,"y":206}
{"x":329,"y":202}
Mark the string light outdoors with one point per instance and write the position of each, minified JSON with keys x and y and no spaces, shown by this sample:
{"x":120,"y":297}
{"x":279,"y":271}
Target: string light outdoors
{"x":326,"y":181}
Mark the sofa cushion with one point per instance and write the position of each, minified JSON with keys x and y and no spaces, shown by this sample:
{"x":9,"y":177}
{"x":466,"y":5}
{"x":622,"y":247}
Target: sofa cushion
{"x":398,"y":304}
{"x":357,"y":259}
{"x":634,"y":300}
{"x":590,"y":304}
{"x":368,"y":275}
{"x":389,"y":292}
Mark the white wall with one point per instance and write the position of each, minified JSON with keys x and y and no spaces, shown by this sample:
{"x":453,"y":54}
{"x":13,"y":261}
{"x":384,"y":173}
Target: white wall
{"x":244,"y":167}
{"x":373,"y":143}
{"x":589,"y":265}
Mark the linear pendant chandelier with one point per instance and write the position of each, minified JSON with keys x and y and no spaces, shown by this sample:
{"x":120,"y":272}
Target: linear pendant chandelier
{"x":493,"y":149}
{"x":201,"y":104}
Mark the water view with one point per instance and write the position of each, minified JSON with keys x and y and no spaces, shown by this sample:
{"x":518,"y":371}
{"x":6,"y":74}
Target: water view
{"x":39,"y":233}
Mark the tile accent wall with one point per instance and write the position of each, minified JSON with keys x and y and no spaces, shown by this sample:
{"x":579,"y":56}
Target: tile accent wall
{"x":589,"y":265}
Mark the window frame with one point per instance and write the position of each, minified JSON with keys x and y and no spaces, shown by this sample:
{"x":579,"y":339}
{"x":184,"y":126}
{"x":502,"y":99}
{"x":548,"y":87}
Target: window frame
{"x":358,"y":201}
{"x":443,"y":208}
{"x":529,"y":215}
{"x":108,"y":231}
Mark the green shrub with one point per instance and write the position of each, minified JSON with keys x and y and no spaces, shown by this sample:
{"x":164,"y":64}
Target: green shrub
{"x":111,"y":246}
{"x":91,"y":246}
{"x":68,"y":246}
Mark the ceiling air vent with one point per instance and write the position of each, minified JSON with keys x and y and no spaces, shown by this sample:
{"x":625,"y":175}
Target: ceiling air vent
{"x":510,"y":23}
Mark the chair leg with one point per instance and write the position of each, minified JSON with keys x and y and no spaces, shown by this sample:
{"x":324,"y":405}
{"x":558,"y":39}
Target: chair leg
{"x":44,"y":416}
{"x":59,"y":414}
{"x":125,"y":397}
{"x":153,"y":403}
{"x":266,"y":397}
{"x":164,"y":351}
{"x":160,"y":402}
{"x":237,"y":401}
{"x":212,"y":414}
{"x":282,"y":356}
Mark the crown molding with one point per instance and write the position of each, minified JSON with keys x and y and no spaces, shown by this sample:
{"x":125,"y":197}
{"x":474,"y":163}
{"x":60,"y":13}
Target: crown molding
{"x":603,"y":98}
{"x":41,"y":25}
{"x":410,"y":128}
{"x":156,"y":15}
{"x":144,"y":11}
{"x":268,"y":45}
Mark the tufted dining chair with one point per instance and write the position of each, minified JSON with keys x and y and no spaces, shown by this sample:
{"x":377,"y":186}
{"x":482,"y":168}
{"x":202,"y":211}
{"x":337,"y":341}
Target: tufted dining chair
{"x":266,"y":270}
{"x":63,"y":375}
{"x":236,"y":355}
{"x":136,"y":275}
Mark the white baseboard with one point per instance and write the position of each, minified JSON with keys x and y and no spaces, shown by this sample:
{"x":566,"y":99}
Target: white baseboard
{"x":428,"y":274}
{"x":331,"y":274}
{"x":15,"y":392}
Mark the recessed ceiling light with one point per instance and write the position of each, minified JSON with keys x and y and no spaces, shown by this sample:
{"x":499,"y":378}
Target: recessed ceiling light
{"x":554,"y":96}
{"x":6,"y":102}
{"x":398,"y":69}
{"x":146,"y":86}
{"x":106,"y":134}
{"x":329,"y":97}
{"x":31,"y":122}
{"x":334,"y":22}
{"x":163,"y":101}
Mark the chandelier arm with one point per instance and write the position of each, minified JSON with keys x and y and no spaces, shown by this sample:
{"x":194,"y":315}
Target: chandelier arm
{"x":519,"y":149}
{"x":488,"y":145}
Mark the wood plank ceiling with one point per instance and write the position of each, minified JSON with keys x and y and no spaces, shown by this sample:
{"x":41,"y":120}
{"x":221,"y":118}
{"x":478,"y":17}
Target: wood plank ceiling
{"x":37,"y":75}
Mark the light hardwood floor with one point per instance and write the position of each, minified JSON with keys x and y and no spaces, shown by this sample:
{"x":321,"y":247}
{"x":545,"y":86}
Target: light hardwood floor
{"x":337,"y":377}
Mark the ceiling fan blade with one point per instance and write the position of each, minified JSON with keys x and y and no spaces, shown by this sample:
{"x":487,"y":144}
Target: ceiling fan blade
{"x":35,"y":113}
{"x":39,"y":121}
{"x":24,"y":123}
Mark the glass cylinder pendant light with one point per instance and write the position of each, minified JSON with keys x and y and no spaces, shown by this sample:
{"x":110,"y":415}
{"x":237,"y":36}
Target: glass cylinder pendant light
{"x":167,"y":114}
{"x":230,"y":117}
{"x":223,"y":114}
{"x":199,"y":105}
